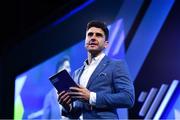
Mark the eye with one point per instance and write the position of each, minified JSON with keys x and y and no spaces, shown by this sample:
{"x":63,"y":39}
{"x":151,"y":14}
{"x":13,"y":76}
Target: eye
{"x":99,"y":35}
{"x":90,"y":34}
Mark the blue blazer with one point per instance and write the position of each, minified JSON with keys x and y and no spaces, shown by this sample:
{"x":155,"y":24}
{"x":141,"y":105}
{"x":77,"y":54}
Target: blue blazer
{"x":113,"y":87}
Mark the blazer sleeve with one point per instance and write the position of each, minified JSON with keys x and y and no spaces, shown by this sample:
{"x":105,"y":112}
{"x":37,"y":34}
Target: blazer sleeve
{"x":123,"y":95}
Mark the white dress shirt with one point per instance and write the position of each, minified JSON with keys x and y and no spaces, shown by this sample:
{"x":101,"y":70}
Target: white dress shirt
{"x":87,"y":72}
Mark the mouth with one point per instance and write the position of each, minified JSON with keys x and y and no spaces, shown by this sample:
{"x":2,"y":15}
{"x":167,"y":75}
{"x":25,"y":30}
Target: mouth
{"x":92,"y":43}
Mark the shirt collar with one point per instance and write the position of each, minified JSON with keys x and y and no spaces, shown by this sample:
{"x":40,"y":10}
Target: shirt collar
{"x":95,"y":59}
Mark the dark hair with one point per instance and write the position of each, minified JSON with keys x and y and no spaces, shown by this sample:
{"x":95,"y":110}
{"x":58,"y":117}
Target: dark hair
{"x":99,"y":24}
{"x":61,"y":62}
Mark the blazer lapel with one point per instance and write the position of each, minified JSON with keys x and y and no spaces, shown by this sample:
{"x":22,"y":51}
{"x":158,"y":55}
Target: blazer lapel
{"x":98,"y":70}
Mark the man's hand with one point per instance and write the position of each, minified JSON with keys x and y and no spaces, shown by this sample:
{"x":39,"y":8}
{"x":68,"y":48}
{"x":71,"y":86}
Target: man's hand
{"x":80,"y":93}
{"x":65,"y":100}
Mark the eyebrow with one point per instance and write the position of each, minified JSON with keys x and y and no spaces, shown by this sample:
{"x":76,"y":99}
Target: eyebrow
{"x":97,"y":34}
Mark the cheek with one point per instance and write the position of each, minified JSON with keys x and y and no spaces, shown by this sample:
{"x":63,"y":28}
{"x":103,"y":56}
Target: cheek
{"x":86,"y":40}
{"x":85,"y":44}
{"x":101,"y":43}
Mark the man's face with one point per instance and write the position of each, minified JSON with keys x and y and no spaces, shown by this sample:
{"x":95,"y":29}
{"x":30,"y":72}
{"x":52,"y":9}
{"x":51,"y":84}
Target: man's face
{"x":95,"y":40}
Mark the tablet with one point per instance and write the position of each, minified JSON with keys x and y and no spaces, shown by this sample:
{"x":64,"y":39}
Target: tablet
{"x":62,"y":81}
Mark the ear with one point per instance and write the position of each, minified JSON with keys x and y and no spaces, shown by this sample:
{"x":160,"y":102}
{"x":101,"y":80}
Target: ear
{"x":106,"y":43}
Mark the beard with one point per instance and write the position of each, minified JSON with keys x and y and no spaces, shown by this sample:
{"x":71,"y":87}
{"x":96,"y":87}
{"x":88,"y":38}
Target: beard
{"x":94,"y":51}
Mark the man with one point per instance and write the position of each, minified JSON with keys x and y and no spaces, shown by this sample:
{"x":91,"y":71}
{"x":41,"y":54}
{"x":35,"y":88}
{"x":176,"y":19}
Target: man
{"x":105,"y":84}
{"x":51,"y":108}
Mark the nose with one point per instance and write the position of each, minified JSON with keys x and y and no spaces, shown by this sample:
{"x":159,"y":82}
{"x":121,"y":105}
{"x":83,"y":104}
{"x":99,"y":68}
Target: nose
{"x":93,"y":36}
{"x":93,"y":39}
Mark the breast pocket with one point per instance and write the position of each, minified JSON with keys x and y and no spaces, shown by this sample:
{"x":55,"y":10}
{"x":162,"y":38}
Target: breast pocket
{"x":103,"y":80}
{"x":103,"y":76}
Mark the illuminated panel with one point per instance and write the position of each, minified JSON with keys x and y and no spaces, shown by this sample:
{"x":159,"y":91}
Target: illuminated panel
{"x":166,"y":99}
{"x":172,"y":110}
{"x":146,"y":34}
{"x":142,"y":96}
{"x":19,"y":108}
{"x":148,"y":102}
{"x":156,"y":101}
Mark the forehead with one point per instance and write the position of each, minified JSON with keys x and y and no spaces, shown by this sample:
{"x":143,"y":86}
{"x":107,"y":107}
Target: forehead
{"x":95,"y":30}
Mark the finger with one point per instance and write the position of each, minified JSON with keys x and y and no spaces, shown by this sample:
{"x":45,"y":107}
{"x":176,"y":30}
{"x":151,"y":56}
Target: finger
{"x":65,"y":100}
{"x":75,"y":93}
{"x":77,"y":97}
{"x":75,"y":89}
{"x":80,"y":86}
{"x":69,"y":101}
{"x":61,"y":98}
{"x":60,"y":95}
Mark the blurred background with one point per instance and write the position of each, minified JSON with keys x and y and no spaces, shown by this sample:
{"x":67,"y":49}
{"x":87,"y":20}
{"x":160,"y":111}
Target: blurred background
{"x":37,"y":34}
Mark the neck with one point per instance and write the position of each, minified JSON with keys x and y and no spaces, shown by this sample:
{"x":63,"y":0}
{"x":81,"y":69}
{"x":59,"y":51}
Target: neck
{"x":91,"y":56}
